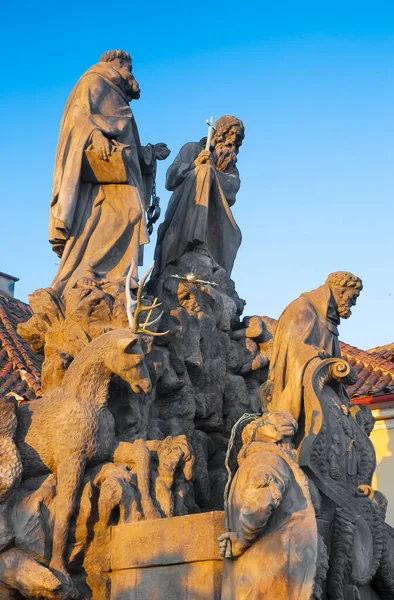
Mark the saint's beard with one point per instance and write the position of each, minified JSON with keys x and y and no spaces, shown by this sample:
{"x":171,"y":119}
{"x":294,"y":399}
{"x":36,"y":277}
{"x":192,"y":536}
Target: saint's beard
{"x":128,"y":85}
{"x":224,"y":156}
{"x":344,"y":310}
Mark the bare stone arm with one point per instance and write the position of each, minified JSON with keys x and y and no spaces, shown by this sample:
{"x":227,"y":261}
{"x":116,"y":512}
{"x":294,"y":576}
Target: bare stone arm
{"x":260,"y":502}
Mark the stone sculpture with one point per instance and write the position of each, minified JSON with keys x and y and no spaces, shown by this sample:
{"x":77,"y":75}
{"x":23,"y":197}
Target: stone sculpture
{"x":135,"y":417}
{"x":71,"y":427}
{"x":335,"y":451}
{"x":308,"y":378}
{"x":97,"y":223}
{"x":204,"y":184}
{"x":273,"y":535}
{"x":70,"y":430}
{"x":308,"y":328}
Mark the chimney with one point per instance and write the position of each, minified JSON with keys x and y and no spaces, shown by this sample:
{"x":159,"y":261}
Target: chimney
{"x":7,"y":284}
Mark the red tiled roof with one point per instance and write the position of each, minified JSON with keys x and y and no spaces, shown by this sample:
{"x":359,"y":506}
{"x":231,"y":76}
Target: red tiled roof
{"x":20,"y":367}
{"x":386,"y":352}
{"x":374,"y":367}
{"x":375,"y":372}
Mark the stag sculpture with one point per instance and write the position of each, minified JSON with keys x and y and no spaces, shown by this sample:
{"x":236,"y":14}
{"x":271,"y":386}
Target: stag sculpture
{"x":71,"y":427}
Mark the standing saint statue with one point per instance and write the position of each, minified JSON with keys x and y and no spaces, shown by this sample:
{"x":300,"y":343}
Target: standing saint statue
{"x":205,"y":183}
{"x":308,"y":329}
{"x":97,"y":226}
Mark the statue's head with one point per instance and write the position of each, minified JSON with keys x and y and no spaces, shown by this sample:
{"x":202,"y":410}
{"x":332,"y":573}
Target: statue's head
{"x":121,"y":62}
{"x":226,"y":141}
{"x":345,"y":288}
{"x":229,"y":131}
{"x":123,"y":356}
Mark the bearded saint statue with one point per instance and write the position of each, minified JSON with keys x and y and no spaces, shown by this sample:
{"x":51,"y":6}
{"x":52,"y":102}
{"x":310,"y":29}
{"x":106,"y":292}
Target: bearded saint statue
{"x":99,"y":229}
{"x":204,"y":183}
{"x":308,"y":329}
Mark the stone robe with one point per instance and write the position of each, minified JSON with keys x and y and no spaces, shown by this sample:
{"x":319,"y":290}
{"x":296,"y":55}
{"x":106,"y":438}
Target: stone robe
{"x":98,"y":229}
{"x":280,"y":563}
{"x":306,"y":329}
{"x":198,"y":214}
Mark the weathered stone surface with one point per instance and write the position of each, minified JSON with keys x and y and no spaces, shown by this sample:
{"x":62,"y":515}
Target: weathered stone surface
{"x":272,"y":538}
{"x":176,"y":540}
{"x":175,"y":558}
{"x":205,"y":373}
{"x":191,"y":581}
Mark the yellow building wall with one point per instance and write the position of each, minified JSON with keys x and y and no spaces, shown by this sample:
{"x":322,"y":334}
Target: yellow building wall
{"x":382,"y":438}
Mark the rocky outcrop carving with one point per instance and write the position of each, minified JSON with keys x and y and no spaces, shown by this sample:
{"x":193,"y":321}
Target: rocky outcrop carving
{"x":204,"y":374}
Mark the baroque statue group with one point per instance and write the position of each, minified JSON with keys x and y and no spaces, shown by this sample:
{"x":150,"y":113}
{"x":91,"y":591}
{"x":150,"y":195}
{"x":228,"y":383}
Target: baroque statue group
{"x":160,"y":400}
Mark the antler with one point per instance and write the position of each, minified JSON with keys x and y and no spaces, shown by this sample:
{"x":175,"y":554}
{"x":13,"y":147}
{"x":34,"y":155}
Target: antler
{"x":139,"y":308}
{"x":130,"y":303}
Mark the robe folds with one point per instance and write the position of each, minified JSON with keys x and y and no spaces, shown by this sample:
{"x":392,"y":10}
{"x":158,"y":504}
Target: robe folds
{"x":98,"y":229}
{"x":198,"y":214}
{"x":278,"y":521}
{"x":306,"y":329}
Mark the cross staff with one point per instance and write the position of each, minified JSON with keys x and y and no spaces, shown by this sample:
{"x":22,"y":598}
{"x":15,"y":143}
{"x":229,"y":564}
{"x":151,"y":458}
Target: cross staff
{"x":211,"y":128}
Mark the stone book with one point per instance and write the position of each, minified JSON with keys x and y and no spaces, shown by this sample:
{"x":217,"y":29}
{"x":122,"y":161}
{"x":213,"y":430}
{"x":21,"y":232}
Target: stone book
{"x":112,"y":170}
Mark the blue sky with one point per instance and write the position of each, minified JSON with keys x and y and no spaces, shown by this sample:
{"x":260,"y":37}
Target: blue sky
{"x":314,"y":85}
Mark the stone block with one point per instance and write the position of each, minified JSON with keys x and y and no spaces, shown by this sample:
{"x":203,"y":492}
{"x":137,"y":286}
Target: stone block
{"x":175,"y":540}
{"x":187,"y":581}
{"x":167,"y":559}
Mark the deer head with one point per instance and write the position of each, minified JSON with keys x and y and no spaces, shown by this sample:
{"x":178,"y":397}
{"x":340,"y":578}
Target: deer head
{"x":127,"y":358}
{"x":128,"y":361}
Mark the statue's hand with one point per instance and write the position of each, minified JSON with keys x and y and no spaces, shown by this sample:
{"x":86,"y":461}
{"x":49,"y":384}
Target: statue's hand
{"x":161,"y":151}
{"x":237,"y":547}
{"x":101,"y":144}
{"x":203,"y":158}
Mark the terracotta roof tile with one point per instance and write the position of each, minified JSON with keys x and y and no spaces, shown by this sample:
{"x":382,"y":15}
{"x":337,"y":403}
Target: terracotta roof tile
{"x":386,"y":352}
{"x":375,"y":371}
{"x":20,"y":367}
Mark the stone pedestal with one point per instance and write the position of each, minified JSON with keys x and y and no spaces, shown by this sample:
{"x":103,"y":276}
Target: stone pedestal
{"x":168,"y":559}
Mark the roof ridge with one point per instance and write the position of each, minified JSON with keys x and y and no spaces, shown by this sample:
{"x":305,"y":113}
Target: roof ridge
{"x":381,"y":348}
